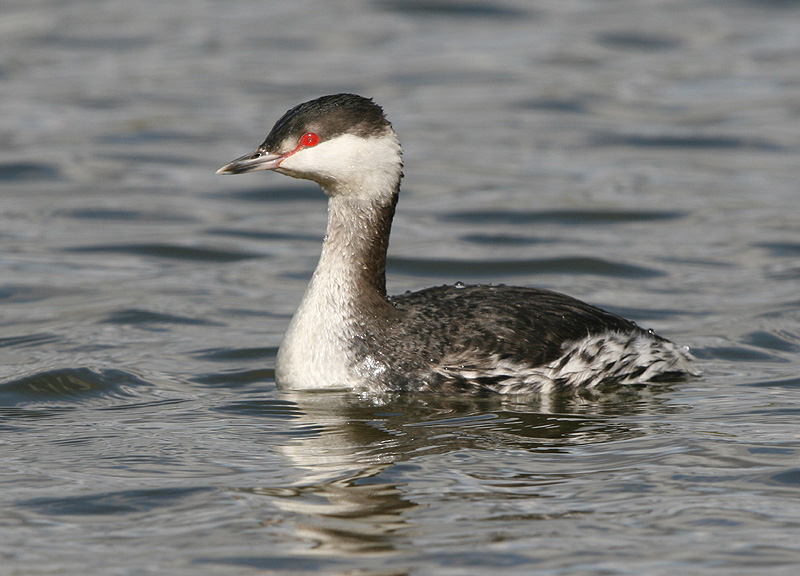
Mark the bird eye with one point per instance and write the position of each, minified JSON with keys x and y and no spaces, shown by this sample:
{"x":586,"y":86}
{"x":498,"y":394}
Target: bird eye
{"x":309,"y":139}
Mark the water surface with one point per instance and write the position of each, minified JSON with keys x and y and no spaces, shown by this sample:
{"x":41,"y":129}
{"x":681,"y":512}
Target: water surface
{"x":641,"y":156}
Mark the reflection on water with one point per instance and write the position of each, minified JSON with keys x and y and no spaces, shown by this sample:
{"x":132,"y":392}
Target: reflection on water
{"x":352,"y":496}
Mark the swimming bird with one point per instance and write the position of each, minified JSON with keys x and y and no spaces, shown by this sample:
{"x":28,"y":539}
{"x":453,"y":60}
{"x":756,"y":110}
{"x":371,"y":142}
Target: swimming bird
{"x":348,"y":334}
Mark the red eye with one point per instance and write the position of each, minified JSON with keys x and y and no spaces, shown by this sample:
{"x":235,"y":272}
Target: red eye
{"x":309,"y":139}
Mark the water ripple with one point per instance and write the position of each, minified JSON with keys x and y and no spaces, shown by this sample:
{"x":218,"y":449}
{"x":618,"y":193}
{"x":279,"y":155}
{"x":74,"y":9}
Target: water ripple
{"x":638,"y":41}
{"x":236,"y":354}
{"x":260,"y":408}
{"x":28,"y":340}
{"x":111,"y":503}
{"x":70,"y":385}
{"x":172,"y":251}
{"x":567,"y":265}
{"x":781,"y":249}
{"x":24,"y":293}
{"x":458,"y":9}
{"x":28,"y":171}
{"x":565,"y":217}
{"x":234,"y":378}
{"x":688,"y":141}
{"x":275,"y":193}
{"x":125,"y":215}
{"x":138,"y":316}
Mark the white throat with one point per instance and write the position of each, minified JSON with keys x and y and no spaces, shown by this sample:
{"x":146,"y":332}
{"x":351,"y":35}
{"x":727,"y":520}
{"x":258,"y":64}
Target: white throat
{"x":362,"y":178}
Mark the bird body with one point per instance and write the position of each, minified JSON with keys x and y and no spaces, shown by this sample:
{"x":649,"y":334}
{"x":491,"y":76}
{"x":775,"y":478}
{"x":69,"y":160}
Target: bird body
{"x":348,"y":334}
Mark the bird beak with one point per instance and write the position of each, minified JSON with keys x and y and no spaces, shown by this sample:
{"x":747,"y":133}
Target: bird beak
{"x":258,"y":160}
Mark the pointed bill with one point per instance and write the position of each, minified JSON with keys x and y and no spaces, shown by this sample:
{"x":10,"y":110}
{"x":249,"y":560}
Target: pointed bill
{"x":258,"y":160}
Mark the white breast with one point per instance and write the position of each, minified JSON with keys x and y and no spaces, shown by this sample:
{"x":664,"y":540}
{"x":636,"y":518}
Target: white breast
{"x":312,"y":355}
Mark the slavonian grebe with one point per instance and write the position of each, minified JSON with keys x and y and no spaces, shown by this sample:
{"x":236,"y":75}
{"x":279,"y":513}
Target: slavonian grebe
{"x":347,"y":334}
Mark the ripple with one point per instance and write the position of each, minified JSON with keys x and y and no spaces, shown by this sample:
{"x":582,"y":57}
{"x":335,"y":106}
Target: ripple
{"x":789,"y":477}
{"x":27,"y":171}
{"x":785,"y":383}
{"x":14,"y":413}
{"x":140,"y":136}
{"x":236,"y":354}
{"x":172,"y":251}
{"x":567,"y":265}
{"x":95,"y":43}
{"x":569,"y":217}
{"x":24,"y":293}
{"x":234,"y":378}
{"x":456,"y":9}
{"x":782,"y":342}
{"x":733,"y":354}
{"x":270,"y":407}
{"x":110,"y":503}
{"x":275,"y":194}
{"x":565,"y":105}
{"x":146,"y":317}
{"x":781,"y":249}
{"x":28,"y":340}
{"x":262,"y":235}
{"x":501,"y":239}
{"x":638,"y":41}
{"x":70,"y":385}
{"x":276,"y":563}
{"x":122,"y":214}
{"x":688,"y":141}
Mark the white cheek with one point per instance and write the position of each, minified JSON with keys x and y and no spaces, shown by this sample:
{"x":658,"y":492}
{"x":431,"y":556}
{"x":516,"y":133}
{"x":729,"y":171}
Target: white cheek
{"x":328,"y":157}
{"x":349,"y":162}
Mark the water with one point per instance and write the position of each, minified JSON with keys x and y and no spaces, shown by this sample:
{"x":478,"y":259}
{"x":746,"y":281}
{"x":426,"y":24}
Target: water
{"x":639,"y":155}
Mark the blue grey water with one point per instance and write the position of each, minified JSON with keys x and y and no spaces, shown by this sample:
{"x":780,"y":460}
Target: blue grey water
{"x":640,"y":155}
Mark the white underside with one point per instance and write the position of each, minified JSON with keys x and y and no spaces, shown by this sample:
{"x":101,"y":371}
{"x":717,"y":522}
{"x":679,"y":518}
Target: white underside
{"x":312,"y":355}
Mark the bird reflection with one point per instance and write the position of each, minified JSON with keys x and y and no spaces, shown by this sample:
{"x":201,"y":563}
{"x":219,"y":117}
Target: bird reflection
{"x":354,"y":459}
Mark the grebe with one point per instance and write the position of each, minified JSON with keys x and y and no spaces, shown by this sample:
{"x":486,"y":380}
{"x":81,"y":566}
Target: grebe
{"x":348,"y":334}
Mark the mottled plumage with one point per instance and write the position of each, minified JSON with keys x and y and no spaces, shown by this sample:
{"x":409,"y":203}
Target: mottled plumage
{"x":348,"y":334}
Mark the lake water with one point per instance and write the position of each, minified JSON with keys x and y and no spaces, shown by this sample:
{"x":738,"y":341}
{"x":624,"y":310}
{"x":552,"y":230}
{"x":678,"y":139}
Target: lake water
{"x":640,"y":155}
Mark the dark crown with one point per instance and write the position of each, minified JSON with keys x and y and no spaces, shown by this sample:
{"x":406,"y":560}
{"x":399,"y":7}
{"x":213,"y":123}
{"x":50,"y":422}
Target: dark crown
{"x":328,"y":117}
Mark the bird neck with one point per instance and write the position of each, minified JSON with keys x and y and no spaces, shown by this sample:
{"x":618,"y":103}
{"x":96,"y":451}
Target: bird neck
{"x":353,"y":259}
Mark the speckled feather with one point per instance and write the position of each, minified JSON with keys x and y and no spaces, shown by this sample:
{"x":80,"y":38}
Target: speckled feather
{"x":509,"y":339}
{"x":347,"y":333}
